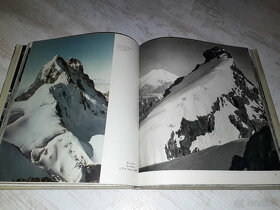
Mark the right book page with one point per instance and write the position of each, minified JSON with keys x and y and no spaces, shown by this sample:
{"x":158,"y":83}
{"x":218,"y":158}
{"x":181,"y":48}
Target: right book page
{"x":202,"y":116}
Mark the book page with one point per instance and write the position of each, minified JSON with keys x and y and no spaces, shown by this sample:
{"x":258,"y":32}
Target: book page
{"x":202,"y":116}
{"x":121,"y":151}
{"x":56,"y":129}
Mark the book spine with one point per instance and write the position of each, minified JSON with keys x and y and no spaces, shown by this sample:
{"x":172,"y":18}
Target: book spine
{"x":11,"y":81}
{"x":268,"y":99}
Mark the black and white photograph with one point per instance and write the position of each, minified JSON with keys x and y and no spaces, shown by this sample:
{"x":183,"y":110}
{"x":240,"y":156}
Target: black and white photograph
{"x":200,"y":108}
{"x":62,"y":102}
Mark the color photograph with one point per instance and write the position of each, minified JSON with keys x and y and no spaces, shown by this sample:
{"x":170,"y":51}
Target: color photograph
{"x":62,"y":101}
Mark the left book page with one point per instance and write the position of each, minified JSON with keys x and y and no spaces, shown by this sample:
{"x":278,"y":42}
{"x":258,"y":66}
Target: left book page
{"x":56,"y":131}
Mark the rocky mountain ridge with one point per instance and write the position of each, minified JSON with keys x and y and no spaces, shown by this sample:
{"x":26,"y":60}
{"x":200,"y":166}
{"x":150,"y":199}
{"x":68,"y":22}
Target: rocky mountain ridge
{"x":63,"y":112}
{"x":212,"y":105}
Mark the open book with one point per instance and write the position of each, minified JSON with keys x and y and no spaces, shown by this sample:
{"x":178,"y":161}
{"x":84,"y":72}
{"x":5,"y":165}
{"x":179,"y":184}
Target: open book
{"x":101,"y":110}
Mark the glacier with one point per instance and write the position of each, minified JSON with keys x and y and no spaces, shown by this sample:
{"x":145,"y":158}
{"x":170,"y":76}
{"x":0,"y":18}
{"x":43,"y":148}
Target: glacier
{"x":58,"y":123}
{"x":213,"y":105}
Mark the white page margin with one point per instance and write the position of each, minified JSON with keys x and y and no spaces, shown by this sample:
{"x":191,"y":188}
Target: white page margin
{"x":121,"y":142}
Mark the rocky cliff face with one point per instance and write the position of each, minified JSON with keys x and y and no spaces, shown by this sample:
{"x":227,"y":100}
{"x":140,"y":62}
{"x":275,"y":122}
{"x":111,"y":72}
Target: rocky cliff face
{"x":260,"y":153}
{"x":72,"y":72}
{"x":213,"y":105}
{"x":242,"y":95}
{"x":76,"y":64}
{"x":62,"y":112}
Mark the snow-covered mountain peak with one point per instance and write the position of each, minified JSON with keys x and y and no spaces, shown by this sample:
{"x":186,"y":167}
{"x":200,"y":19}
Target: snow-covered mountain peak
{"x":51,"y":70}
{"x":212,"y":105}
{"x":157,"y":77}
{"x":63,"y":114}
{"x":58,"y":71}
{"x":162,"y":72}
{"x":152,"y":87}
{"x":54,"y":59}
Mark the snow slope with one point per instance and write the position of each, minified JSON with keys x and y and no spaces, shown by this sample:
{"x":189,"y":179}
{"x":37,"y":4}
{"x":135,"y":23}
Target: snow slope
{"x":156,"y":82}
{"x":152,"y":88}
{"x":13,"y":165}
{"x":213,"y":105}
{"x":53,"y":121}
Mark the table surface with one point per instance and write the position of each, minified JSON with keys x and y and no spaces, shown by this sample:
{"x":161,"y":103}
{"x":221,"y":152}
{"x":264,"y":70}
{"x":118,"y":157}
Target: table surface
{"x":253,"y":24}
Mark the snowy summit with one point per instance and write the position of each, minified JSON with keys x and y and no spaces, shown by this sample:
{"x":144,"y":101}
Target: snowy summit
{"x":213,"y":105}
{"x":64,"y":115}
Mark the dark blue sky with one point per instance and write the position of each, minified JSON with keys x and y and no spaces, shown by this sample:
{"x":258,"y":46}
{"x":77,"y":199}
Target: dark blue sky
{"x":95,"y":51}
